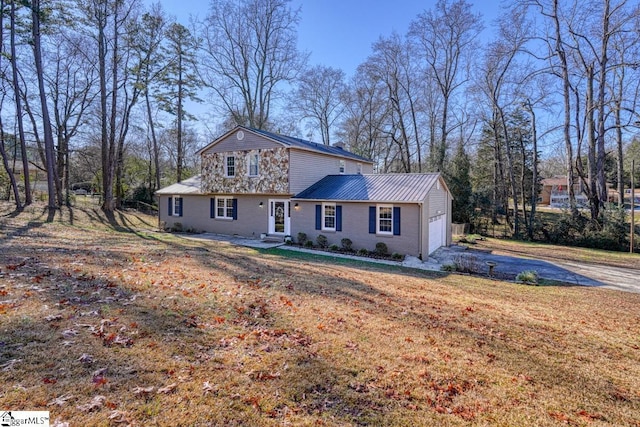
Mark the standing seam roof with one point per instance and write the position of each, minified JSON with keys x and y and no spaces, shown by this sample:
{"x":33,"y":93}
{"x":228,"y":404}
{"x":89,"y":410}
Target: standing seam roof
{"x":372,"y":187}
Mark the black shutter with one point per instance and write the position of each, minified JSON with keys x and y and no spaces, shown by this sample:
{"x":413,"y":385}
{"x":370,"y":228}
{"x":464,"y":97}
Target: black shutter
{"x":338,"y":218}
{"x":170,"y":206}
{"x":212,"y":208}
{"x":318,"y":217}
{"x":372,"y":220}
{"x":180,"y":206}
{"x":396,"y":221}
{"x":235,"y":209}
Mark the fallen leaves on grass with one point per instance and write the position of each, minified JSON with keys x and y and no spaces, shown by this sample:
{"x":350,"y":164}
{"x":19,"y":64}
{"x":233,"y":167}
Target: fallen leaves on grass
{"x":143,"y":391}
{"x":263,"y":375}
{"x":119,"y":417}
{"x":7,"y":366}
{"x":69,"y":333}
{"x":207,"y":388}
{"x":96,"y":403}
{"x":60,"y":400}
{"x":85,"y":358}
{"x":168,"y":389}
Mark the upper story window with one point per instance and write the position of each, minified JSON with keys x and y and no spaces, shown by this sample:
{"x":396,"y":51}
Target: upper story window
{"x":385,"y":219}
{"x":230,"y":167}
{"x":359,"y":170}
{"x":254,"y":161}
{"x":329,"y":216}
{"x":342,"y":166}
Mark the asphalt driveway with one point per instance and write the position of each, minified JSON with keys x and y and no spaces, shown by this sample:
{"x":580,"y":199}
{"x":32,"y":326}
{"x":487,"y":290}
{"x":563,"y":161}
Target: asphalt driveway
{"x":584,"y":274}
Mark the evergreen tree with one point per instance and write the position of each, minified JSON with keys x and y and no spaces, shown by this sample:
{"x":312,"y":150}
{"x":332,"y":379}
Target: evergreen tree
{"x":179,"y":81}
{"x":459,"y":181}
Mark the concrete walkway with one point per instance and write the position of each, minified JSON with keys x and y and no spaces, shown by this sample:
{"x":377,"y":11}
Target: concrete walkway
{"x":581,"y":274}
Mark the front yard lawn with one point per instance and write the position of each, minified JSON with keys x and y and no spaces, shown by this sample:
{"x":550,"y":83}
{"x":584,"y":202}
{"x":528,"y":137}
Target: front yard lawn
{"x":104,"y":321}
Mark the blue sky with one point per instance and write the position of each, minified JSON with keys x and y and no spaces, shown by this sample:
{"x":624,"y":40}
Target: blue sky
{"x":339,"y":33}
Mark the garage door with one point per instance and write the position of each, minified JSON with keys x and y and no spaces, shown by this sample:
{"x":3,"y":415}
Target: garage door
{"x":437,"y":228}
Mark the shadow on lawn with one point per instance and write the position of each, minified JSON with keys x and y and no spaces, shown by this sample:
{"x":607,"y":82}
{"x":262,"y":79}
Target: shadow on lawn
{"x":314,"y":383}
{"x":83,"y":305}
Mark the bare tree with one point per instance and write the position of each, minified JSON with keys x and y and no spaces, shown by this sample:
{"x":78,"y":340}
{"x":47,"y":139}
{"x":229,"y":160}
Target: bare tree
{"x":3,"y":151}
{"x":318,"y":97}
{"x":366,"y":112}
{"x":391,"y":66}
{"x":18,"y":105}
{"x":119,"y":87}
{"x":52,"y":175}
{"x":447,"y":37}
{"x":71,"y":80}
{"x":250,"y":49}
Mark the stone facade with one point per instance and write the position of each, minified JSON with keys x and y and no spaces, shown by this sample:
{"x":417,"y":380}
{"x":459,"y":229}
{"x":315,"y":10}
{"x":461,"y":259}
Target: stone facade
{"x":273,"y":173}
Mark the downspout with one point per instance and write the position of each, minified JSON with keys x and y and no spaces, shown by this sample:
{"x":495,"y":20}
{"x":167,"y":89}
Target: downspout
{"x":421,"y":207}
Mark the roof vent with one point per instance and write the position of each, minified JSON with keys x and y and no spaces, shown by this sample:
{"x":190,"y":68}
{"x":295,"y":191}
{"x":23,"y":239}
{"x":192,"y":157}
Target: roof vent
{"x":339,"y":145}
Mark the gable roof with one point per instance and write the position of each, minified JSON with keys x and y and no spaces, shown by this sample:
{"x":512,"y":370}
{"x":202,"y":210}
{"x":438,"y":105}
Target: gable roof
{"x":188,"y":186}
{"x":292,"y":142}
{"x":373,"y":187}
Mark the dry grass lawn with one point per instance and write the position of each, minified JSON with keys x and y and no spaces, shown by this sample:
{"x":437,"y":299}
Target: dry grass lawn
{"x":107,"y":322}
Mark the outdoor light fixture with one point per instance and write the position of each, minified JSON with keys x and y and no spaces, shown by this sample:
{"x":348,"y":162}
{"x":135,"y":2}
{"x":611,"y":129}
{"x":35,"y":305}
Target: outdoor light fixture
{"x":261,"y":205}
{"x":296,"y":206}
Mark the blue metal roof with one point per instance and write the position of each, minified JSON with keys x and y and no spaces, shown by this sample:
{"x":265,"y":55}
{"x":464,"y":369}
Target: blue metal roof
{"x":308,"y":145}
{"x":376,"y":187}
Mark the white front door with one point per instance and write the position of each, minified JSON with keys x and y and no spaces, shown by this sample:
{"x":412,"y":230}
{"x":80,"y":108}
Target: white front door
{"x":279,"y":219}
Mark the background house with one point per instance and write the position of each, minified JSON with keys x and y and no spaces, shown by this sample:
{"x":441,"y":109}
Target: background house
{"x":255,"y":182}
{"x":555,"y":192}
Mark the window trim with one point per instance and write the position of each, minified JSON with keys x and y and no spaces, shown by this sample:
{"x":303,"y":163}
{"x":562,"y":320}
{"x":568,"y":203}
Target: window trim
{"x":359,"y":168}
{"x":325,"y":216}
{"x":251,"y":156}
{"x":379,"y":219}
{"x":176,"y":209}
{"x":342,"y":166}
{"x":228,"y":204}
{"x":226,"y":166}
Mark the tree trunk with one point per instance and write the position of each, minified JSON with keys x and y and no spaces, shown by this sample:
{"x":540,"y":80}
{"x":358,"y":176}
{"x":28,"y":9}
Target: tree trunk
{"x":107,"y":195}
{"x":620,"y":148}
{"x":601,"y":153}
{"x":16,"y":88}
{"x":46,"y":121}
{"x":566,"y":94}
{"x":594,"y":203}
{"x":154,"y":140}
{"x":5,"y":163}
{"x":535,"y":189}
{"x":179,"y":118}
{"x":512,"y":178}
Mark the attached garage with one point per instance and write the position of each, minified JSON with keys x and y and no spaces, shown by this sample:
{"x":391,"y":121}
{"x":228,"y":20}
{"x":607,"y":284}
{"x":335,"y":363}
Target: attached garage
{"x":437,"y":232}
{"x":409,"y":213}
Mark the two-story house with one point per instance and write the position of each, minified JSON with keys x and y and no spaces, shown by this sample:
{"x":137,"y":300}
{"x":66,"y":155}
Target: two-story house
{"x":256,"y":183}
